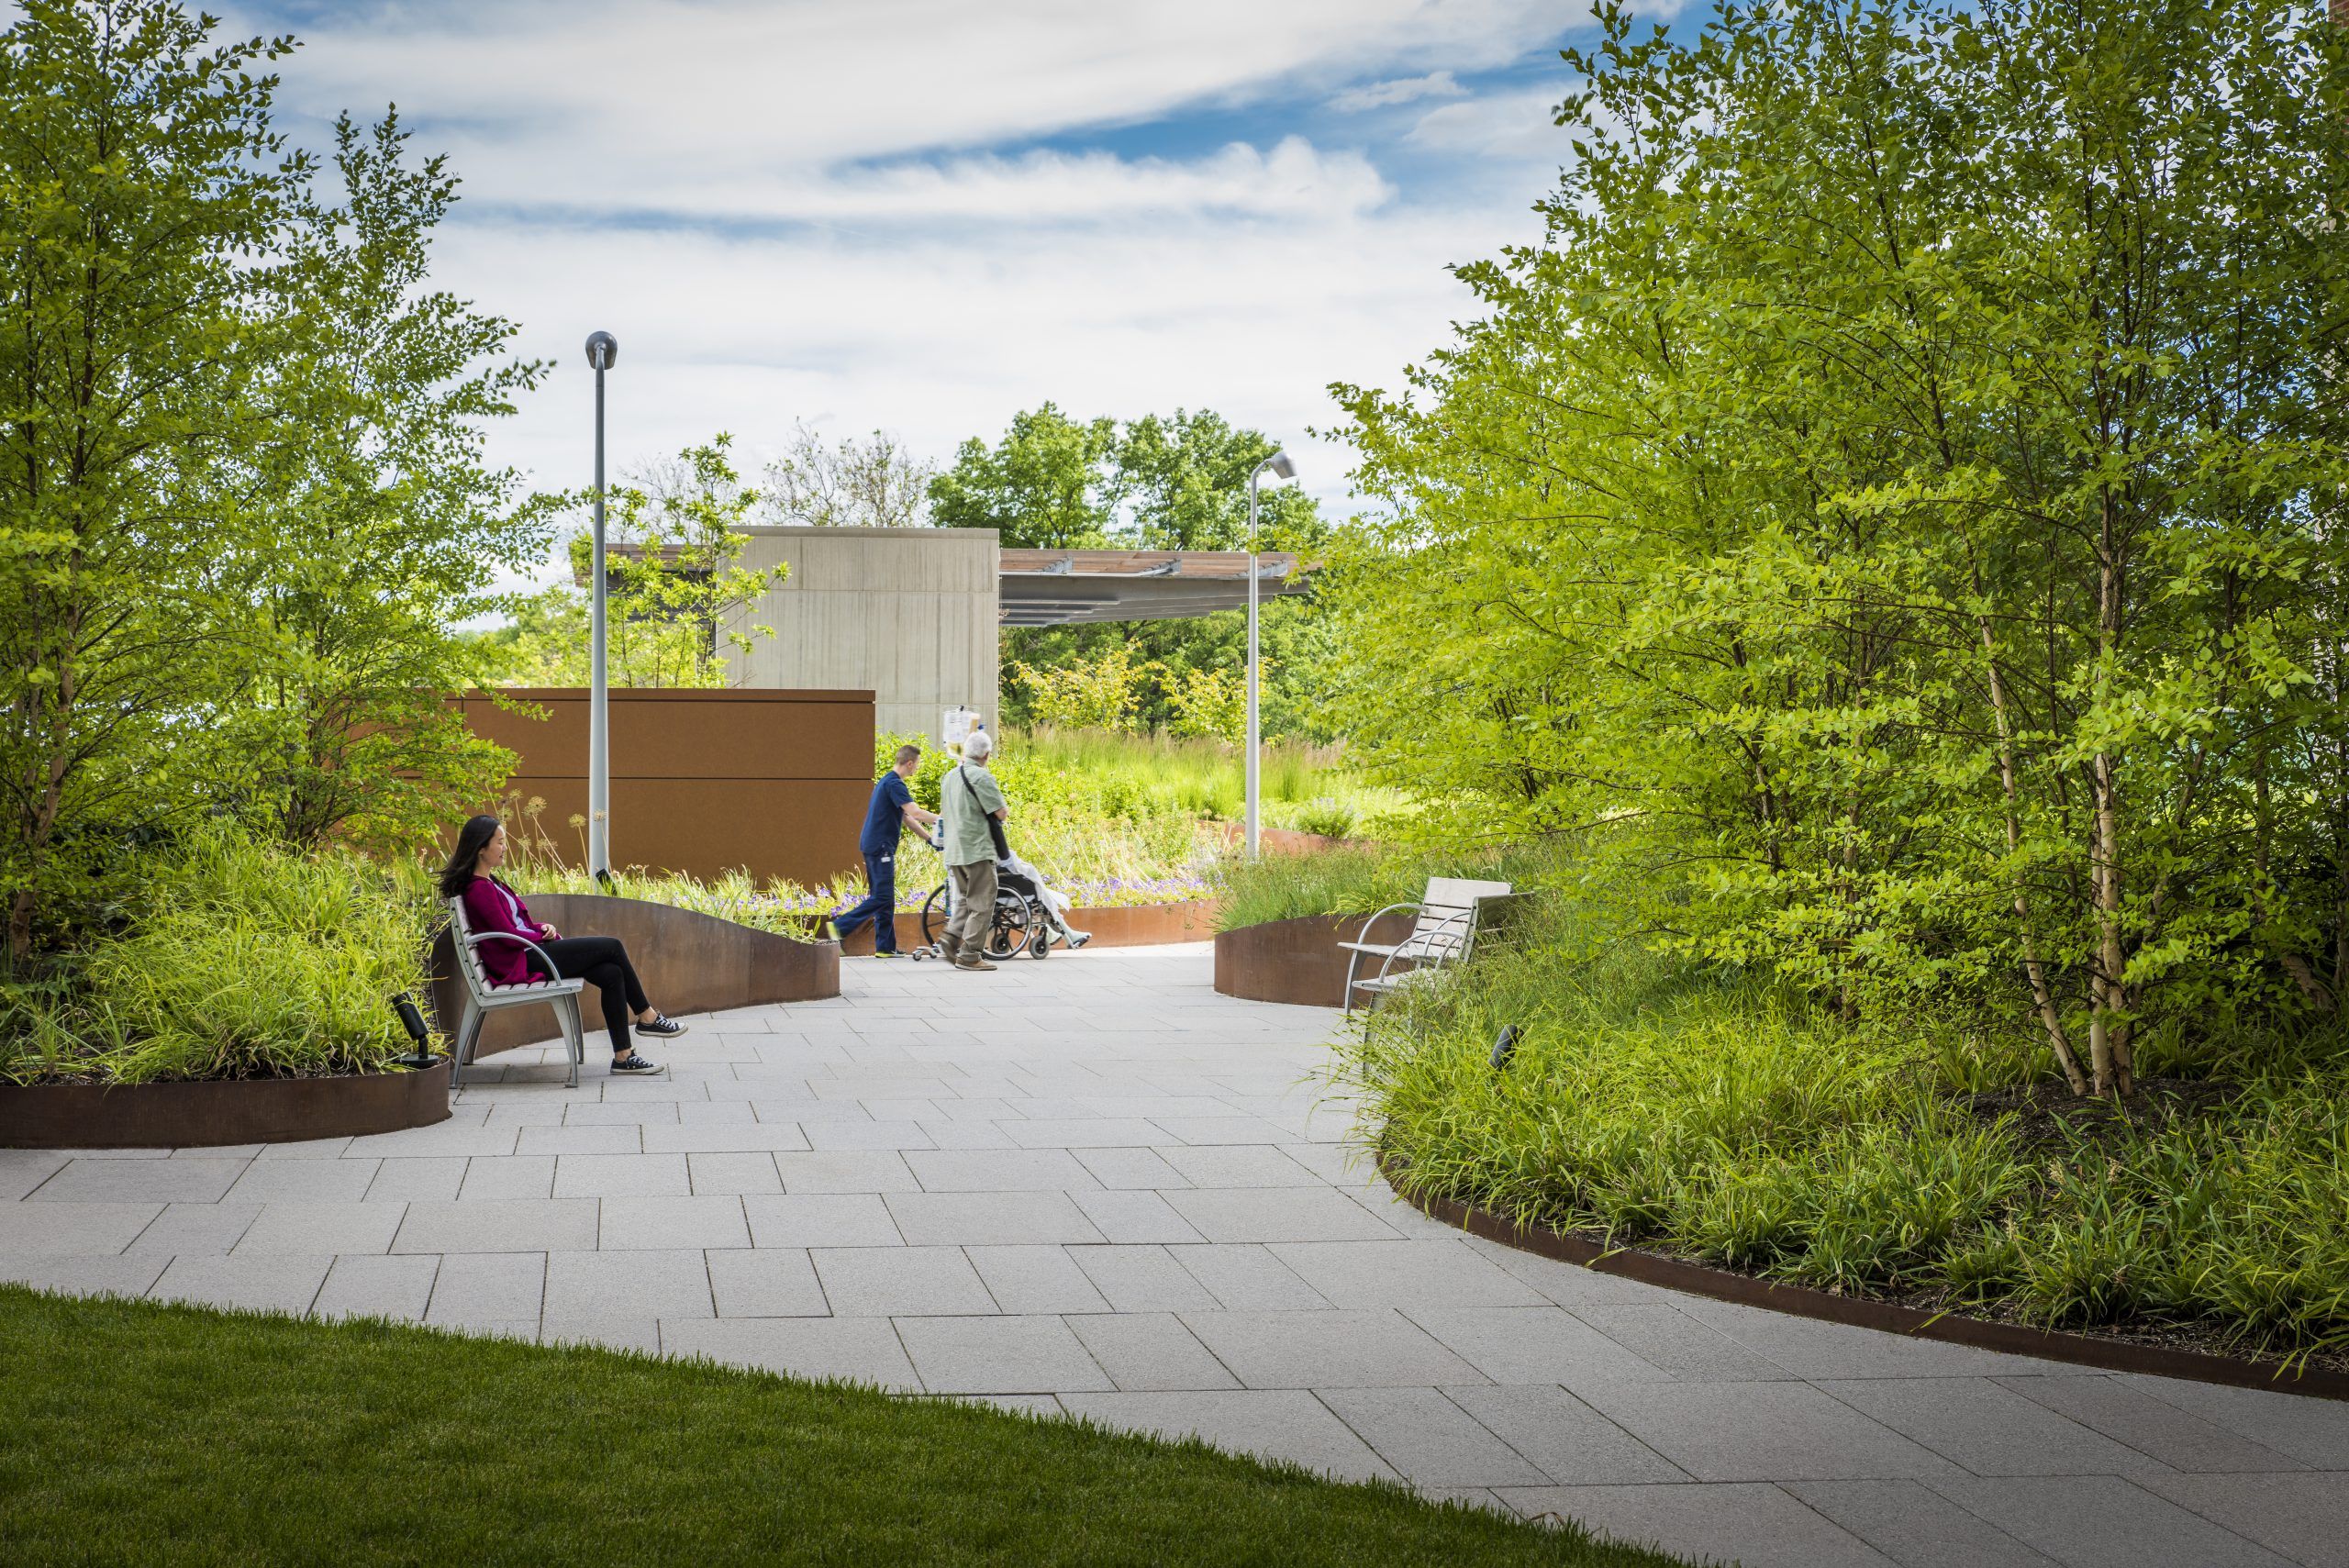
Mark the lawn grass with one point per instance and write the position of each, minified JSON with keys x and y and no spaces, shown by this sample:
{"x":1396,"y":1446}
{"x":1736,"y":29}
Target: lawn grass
{"x":138,"y":1433}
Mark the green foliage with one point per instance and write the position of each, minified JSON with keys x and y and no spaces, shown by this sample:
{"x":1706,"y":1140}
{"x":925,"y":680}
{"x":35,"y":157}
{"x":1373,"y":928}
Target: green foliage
{"x":1727,"y":1119}
{"x":676,"y":590}
{"x":243,"y":959}
{"x":1888,"y":517}
{"x":1357,"y":879}
{"x":218,"y":1441}
{"x":1040,"y":487}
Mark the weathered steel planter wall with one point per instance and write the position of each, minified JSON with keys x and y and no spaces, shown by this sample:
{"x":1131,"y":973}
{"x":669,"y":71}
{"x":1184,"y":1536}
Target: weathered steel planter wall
{"x":690,"y":962}
{"x":186,"y":1115}
{"x":1296,"y":961}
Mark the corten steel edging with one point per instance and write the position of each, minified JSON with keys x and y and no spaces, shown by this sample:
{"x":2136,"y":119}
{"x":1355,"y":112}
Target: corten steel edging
{"x":201,"y":1115}
{"x":1298,"y":960}
{"x":1123,"y":925}
{"x":1858,"y":1312}
{"x":689,"y":963}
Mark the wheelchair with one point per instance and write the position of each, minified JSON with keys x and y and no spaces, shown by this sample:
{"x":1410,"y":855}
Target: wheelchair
{"x":1019,"y":924}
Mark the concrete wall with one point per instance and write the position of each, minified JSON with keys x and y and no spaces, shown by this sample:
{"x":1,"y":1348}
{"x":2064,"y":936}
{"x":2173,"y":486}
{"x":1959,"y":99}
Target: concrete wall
{"x":909,"y":614}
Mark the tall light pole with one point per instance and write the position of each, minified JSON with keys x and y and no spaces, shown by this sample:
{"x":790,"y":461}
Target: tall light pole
{"x":602,"y":350}
{"x":1281,"y":466}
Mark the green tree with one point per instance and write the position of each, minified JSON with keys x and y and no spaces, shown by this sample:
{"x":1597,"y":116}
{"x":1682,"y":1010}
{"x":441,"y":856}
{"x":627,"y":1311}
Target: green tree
{"x":386,"y":524}
{"x":1042,"y":486}
{"x":141,"y":193}
{"x":1885,"y":522}
{"x":1183,"y":484}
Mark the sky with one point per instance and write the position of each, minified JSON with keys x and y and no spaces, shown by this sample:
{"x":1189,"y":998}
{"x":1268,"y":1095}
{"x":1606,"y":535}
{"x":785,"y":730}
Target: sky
{"x":924,"y":216}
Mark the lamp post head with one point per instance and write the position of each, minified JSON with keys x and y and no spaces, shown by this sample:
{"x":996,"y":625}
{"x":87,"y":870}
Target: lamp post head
{"x":1281,"y":466}
{"x":603,"y":349}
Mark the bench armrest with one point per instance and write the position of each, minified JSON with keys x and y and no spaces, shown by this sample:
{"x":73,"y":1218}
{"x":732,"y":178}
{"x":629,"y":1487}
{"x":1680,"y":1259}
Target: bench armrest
{"x":474,"y":940}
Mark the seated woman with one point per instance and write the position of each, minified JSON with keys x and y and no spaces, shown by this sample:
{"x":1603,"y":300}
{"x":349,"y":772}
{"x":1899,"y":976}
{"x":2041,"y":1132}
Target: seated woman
{"x":492,"y":906}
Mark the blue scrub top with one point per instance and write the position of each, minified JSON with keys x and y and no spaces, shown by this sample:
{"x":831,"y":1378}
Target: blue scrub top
{"x":886,"y":815}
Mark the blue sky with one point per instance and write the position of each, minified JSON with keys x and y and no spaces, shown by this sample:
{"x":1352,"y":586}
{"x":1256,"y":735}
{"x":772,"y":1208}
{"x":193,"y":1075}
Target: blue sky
{"x":925,"y":215}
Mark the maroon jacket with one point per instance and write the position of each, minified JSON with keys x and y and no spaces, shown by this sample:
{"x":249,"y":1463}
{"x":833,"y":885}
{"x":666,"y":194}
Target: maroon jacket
{"x":491,"y":906}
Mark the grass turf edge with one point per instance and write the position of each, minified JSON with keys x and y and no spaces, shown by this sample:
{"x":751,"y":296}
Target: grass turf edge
{"x":139,"y":1432}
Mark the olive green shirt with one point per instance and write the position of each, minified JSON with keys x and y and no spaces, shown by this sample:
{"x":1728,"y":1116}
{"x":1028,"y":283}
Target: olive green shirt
{"x":967,"y":839}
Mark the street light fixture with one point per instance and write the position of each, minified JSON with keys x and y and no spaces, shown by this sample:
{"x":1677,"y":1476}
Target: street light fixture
{"x":1282,"y":468}
{"x":603,"y":349}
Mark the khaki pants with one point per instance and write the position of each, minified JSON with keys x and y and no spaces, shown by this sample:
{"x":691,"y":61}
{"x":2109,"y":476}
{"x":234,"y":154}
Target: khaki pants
{"x":966,"y":931}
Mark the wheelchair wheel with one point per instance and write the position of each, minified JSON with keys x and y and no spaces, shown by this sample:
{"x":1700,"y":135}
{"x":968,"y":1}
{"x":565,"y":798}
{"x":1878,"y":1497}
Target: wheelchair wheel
{"x":933,"y":916}
{"x":1040,"y":944}
{"x":1014,"y":925}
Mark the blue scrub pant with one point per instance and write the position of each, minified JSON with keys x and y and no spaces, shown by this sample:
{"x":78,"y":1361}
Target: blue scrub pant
{"x":880,"y":905}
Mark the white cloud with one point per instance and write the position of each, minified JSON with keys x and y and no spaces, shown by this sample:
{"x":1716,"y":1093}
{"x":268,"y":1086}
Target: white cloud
{"x":1521,"y":123}
{"x":1400,"y":90}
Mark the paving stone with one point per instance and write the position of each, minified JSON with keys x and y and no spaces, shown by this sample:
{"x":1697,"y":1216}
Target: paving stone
{"x":999,"y":1355}
{"x":1916,"y":1526}
{"x":1760,"y":1431}
{"x":1129,"y":1168}
{"x":23,"y":1169}
{"x":864,"y":1349}
{"x":1082,"y":1132}
{"x":1805,"y":1347}
{"x":990,"y":1218}
{"x":718,"y":1176}
{"x":1681,"y":1346}
{"x":821,"y":1219}
{"x":723,"y":1138}
{"x":1287,"y":1214}
{"x":79,"y":1230}
{"x":496,"y":1177}
{"x":192,"y":1230}
{"x":269,"y":1284}
{"x":321,"y":1180}
{"x":1328,"y":1350}
{"x":613,"y":1142}
{"x":1149,"y":1352}
{"x":2303,"y":1516}
{"x":1295,"y":1426}
{"x":1410,"y":1274}
{"x":128,"y":1276}
{"x":1754,"y":1525}
{"x":710,"y":1112}
{"x":1142,"y":1279}
{"x":1035,"y":1279}
{"x":656,"y":1223}
{"x":312,"y":1228}
{"x":1134,"y":1216}
{"x":1532,"y":1344}
{"x":1988,"y":1428}
{"x":2314,"y":1431}
{"x":1238,"y":1165}
{"x":140,"y":1181}
{"x":1429,"y":1439}
{"x":621,"y":1113}
{"x":999,"y":1171}
{"x":1569,"y":1285}
{"x":828,"y":1136}
{"x":605,"y":1333}
{"x":1248,"y":1279}
{"x":885,"y":1282}
{"x":433,"y":1179}
{"x":776,"y":1282}
{"x":441,"y":1137}
{"x":1204,"y":1129}
{"x":849,"y":1171}
{"x":621,"y":1176}
{"x":2155,"y":1428}
{"x":1565,"y":1439}
{"x":2103,"y":1521}
{"x":545,"y":1225}
{"x":474,"y":1289}
{"x":647,"y":1284}
{"x":377,"y":1287}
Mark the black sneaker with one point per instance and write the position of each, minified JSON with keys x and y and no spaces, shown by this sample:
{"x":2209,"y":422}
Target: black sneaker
{"x":635,"y":1062}
{"x":663,"y":1027}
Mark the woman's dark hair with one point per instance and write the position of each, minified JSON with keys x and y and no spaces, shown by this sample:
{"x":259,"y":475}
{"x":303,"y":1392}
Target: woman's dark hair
{"x":472,"y":838}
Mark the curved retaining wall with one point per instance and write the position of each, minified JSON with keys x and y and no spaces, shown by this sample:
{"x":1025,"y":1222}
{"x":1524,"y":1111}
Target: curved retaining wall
{"x":1140,"y":925}
{"x":186,"y":1115}
{"x":1296,"y":961}
{"x":690,"y":962}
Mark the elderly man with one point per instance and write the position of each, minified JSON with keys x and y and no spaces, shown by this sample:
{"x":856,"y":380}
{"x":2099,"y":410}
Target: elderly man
{"x":972,"y":806}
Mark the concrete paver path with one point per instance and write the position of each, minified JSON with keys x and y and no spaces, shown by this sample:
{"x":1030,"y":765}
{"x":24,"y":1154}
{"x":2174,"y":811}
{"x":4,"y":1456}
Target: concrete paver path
{"x":1092,"y":1186}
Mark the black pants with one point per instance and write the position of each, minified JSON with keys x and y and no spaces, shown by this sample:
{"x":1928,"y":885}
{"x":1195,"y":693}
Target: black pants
{"x":602,"y":961}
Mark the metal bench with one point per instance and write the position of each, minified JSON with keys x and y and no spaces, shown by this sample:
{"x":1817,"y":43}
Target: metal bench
{"x":482,"y":998}
{"x":1444,"y":934}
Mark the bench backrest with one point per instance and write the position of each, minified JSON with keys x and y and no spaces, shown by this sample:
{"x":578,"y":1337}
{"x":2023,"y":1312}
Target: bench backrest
{"x":468,"y":956}
{"x":1447,"y":922}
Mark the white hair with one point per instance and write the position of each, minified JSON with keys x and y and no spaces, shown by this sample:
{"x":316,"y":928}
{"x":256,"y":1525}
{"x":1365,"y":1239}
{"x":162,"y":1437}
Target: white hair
{"x":979,"y":746}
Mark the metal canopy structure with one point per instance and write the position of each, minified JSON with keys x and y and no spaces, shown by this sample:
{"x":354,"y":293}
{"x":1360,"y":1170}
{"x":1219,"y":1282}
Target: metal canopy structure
{"x":1064,"y":587}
